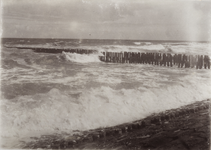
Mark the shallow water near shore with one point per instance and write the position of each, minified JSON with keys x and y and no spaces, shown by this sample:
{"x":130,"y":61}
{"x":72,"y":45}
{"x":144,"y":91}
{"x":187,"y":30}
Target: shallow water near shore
{"x":59,"y":93}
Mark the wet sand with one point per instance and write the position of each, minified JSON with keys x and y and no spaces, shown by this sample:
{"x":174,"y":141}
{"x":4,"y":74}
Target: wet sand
{"x":187,"y":128}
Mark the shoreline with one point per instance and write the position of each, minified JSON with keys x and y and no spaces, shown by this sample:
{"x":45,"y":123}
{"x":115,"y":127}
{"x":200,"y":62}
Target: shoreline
{"x":187,"y":127}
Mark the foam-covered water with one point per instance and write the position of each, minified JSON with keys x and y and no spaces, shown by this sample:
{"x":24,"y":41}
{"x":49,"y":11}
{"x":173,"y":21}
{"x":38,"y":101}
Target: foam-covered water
{"x":81,"y":58}
{"x":54,"y":93}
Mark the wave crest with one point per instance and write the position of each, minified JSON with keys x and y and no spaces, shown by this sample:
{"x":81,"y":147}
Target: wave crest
{"x":59,"y":111}
{"x":81,"y":58}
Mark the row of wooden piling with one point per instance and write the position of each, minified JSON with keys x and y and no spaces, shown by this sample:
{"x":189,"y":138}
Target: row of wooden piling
{"x":156,"y":119}
{"x":161,"y":59}
{"x":60,"y":50}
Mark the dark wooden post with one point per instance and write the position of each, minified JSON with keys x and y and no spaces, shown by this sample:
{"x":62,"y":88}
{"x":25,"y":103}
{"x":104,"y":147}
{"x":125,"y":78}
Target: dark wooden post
{"x":182,"y":60}
{"x":156,"y":58}
{"x":150,"y":58}
{"x":139,"y":57}
{"x":201,"y":61}
{"x":170,"y":59}
{"x":104,"y":56}
{"x":118,"y":60}
{"x":107,"y":56}
{"x":132,"y":57}
{"x":164,"y":59}
{"x":147,"y":58}
{"x":129,"y":55}
{"x":116,"y":57}
{"x":185,"y":60}
{"x":188,"y":61}
{"x":121,"y":56}
{"x":179,"y":60}
{"x":191,"y":61}
{"x":175,"y":59}
{"x":159,"y":59}
{"x":167,"y":59}
{"x":206,"y":62}
{"x":197,"y":62}
{"x":111,"y":56}
{"x":124,"y":57}
{"x":142,"y":58}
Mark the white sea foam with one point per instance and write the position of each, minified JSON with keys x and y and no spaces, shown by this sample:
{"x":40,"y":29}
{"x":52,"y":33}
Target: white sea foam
{"x":138,"y":48}
{"x":142,"y":43}
{"x":101,"y":94}
{"x":188,"y":48}
{"x":153,"y":47}
{"x":57,"y":111}
{"x":81,"y":58}
{"x":192,"y":48}
{"x":137,"y":43}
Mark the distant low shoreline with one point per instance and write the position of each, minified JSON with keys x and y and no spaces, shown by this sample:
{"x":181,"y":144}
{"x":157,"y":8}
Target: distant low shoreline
{"x":138,"y":40}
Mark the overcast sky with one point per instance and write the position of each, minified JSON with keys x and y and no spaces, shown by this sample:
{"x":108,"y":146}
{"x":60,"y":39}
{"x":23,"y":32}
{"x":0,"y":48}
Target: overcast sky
{"x":107,"y":19}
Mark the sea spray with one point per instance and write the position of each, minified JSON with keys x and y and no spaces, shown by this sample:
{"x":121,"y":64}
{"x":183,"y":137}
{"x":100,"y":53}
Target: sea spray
{"x":58,"y":111}
{"x":82,"y":58}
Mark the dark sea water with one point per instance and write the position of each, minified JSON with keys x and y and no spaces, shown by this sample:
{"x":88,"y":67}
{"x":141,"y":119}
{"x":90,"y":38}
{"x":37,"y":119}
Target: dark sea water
{"x":44,"y":93}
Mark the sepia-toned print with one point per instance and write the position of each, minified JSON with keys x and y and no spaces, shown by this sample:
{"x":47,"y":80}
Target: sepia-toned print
{"x":105,"y":74}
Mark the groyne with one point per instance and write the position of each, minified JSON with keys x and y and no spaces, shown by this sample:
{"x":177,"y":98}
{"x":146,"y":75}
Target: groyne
{"x":160,"y":59}
{"x":56,"y":50}
{"x":154,"y":58}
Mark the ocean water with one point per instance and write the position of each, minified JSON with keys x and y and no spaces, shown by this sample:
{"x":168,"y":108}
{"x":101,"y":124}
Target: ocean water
{"x":44,"y":93}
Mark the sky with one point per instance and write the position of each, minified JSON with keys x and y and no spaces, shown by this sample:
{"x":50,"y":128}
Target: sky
{"x":107,"y":19}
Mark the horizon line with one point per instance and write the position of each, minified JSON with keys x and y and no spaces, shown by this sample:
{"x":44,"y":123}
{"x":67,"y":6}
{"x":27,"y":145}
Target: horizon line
{"x":105,"y":39}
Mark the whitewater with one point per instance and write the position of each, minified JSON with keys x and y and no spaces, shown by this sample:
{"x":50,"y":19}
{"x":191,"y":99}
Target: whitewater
{"x":45,"y":93}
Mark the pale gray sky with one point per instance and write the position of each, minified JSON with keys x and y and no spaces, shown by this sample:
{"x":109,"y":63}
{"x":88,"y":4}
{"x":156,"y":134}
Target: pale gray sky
{"x":107,"y":19}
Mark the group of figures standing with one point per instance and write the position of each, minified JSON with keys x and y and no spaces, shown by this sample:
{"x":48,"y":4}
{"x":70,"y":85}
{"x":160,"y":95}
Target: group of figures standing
{"x":161,"y":59}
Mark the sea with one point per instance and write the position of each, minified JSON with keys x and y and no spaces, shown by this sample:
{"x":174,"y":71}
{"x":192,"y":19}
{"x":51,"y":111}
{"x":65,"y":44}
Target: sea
{"x":58,"y":93}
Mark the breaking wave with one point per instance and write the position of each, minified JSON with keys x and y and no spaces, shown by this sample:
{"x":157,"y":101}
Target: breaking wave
{"x":142,"y":43}
{"x":58,"y":111}
{"x":82,"y":58}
